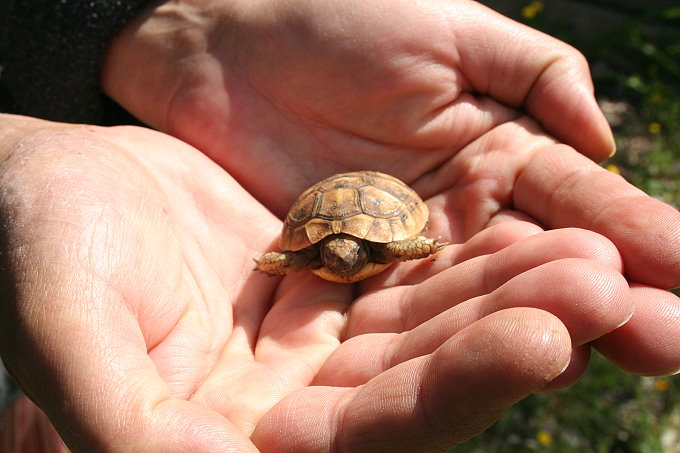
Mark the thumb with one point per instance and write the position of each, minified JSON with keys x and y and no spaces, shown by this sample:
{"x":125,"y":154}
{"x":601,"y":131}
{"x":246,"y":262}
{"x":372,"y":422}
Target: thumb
{"x":430,"y":403}
{"x":102,"y":391}
{"x":524,"y":68}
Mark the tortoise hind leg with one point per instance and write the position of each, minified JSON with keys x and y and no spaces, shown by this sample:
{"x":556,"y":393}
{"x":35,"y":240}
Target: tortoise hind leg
{"x":281,"y":263}
{"x":408,"y":249}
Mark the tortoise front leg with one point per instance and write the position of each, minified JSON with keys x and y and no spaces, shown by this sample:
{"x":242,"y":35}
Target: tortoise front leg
{"x":408,"y":249}
{"x":281,"y":263}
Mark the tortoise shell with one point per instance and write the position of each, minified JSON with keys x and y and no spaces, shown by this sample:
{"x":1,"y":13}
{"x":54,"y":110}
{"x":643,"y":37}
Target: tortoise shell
{"x":366,"y":204}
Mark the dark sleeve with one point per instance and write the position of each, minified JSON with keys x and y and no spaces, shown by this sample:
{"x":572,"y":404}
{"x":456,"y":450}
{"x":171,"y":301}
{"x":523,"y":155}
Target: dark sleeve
{"x":51,"y":53}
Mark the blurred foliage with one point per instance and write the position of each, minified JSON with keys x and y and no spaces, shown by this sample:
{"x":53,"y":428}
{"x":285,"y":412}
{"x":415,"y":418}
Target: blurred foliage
{"x":607,"y":411}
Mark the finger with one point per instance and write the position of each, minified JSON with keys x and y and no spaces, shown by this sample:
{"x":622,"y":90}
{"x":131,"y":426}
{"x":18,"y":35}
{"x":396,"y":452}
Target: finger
{"x":300,"y":330}
{"x":561,"y":189}
{"x":578,"y":363}
{"x":523,"y":67}
{"x":486,"y":242}
{"x":592,"y":301}
{"x":402,"y":308}
{"x":648,"y":344}
{"x":432,"y":402}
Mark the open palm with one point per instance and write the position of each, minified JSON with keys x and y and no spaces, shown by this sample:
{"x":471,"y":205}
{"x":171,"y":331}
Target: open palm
{"x":179,"y":346}
{"x":282,"y":94}
{"x":307,"y":89}
{"x":131,"y":264}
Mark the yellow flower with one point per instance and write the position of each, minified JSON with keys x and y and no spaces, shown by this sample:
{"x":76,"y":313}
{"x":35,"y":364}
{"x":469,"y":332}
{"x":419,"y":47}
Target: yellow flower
{"x":656,"y":96}
{"x":613,"y":168}
{"x":661,"y":385}
{"x":654,"y":127}
{"x":532,"y":10}
{"x":544,"y":438}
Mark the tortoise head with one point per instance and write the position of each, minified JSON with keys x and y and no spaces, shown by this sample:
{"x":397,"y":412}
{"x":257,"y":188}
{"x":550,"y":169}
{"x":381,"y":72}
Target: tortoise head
{"x":344,"y":254}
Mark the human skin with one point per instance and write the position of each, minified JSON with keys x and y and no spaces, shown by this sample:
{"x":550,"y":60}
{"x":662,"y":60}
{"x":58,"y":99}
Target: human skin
{"x":438,"y":93}
{"x":297,"y":91}
{"x":138,"y":248}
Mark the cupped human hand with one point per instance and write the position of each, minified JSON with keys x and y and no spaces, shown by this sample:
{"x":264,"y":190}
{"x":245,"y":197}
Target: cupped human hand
{"x":132,"y":316}
{"x":309,"y":88}
{"x":284,"y":93}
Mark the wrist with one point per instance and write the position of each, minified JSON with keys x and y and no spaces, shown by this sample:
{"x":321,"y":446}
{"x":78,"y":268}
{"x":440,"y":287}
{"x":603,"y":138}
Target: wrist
{"x":51,"y":56}
{"x":158,"y":52}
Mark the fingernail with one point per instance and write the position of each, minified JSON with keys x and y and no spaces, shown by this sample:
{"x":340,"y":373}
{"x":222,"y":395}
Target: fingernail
{"x":613,"y":147}
{"x":564,"y":368}
{"x":627,"y":319}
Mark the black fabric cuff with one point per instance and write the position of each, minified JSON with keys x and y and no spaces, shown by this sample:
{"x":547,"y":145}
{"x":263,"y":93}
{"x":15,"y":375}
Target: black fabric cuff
{"x":51,"y":54}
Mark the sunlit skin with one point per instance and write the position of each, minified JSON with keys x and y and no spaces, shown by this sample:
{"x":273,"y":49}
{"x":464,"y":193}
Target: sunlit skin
{"x":136,"y":246}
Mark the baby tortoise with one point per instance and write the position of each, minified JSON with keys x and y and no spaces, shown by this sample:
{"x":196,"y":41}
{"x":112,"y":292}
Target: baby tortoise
{"x":352,"y":226}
